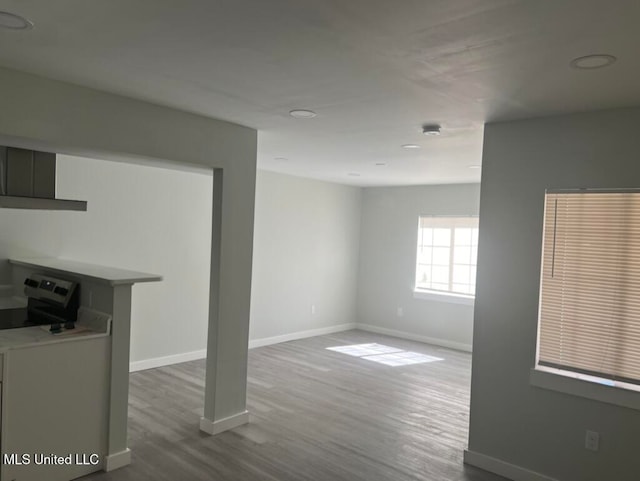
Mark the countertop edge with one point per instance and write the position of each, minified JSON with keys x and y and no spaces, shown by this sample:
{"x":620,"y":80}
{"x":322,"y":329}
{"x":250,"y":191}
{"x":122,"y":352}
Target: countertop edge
{"x":12,"y":346}
{"x":123,"y":277}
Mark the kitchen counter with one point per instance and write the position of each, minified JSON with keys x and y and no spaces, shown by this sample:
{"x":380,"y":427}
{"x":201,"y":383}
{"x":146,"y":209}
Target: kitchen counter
{"x":48,"y":382}
{"x":100,"y":358}
{"x":97,"y":273}
{"x":90,"y":324}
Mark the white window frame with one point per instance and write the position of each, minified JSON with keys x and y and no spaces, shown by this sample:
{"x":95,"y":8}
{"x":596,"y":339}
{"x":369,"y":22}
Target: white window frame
{"x":448,"y":222}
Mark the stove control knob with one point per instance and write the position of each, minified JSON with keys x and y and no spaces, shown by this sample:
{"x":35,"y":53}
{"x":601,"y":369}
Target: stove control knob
{"x":61,"y":291}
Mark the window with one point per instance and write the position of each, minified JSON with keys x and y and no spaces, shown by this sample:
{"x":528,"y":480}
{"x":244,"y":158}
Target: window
{"x":447,"y":250}
{"x":589,"y":316}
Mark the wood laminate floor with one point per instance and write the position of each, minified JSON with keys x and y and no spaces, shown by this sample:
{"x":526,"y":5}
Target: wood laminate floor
{"x":316,"y":415}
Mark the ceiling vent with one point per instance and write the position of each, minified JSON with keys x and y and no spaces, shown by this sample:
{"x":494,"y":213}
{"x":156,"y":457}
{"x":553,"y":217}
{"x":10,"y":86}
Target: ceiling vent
{"x":28,"y":181}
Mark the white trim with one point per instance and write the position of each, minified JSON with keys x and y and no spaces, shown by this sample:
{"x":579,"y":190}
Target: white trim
{"x":117,"y":460}
{"x":293,"y":336}
{"x":167,"y":360}
{"x":502,"y":468}
{"x":224,"y":424}
{"x":415,"y":337}
{"x":443,"y":296}
{"x":569,"y":383}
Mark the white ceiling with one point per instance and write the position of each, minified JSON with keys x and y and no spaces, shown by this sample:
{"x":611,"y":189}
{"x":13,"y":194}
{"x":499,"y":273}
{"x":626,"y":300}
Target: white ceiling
{"x":374,"y":71}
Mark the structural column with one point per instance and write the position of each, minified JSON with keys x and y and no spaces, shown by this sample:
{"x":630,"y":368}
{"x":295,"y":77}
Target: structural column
{"x":229,"y":301}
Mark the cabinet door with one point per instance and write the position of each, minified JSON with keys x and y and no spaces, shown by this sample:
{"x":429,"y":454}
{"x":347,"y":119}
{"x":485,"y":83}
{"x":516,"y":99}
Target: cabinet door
{"x":55,"y":404}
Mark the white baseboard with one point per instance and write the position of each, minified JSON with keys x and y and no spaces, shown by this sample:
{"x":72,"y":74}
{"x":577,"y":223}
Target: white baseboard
{"x":415,"y":337}
{"x":117,"y":460}
{"x":293,"y":336}
{"x":221,"y":425}
{"x":502,"y":468}
{"x":167,"y":360}
{"x":267,"y":341}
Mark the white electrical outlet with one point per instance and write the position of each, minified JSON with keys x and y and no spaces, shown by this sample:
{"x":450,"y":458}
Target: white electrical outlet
{"x":313,"y":309}
{"x":400,"y":311}
{"x":592,"y":441}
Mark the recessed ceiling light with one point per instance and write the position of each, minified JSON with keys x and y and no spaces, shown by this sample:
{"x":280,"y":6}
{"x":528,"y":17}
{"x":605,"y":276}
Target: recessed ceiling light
{"x":474,"y":166}
{"x":353,"y":174}
{"x":11,"y":21}
{"x":411,"y":146}
{"x":280,"y":159}
{"x":380,"y":164}
{"x":589,"y":62}
{"x":302,"y":114}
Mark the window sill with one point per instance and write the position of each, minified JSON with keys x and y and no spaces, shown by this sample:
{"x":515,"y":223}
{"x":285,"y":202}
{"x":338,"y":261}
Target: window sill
{"x":590,"y":387}
{"x":443,"y":297}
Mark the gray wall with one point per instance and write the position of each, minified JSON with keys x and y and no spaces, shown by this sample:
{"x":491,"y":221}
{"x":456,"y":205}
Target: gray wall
{"x":306,"y":253}
{"x":387,"y":263}
{"x":132,"y":223}
{"x":511,"y":420}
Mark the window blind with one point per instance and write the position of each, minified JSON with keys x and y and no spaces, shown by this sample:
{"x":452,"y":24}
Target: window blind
{"x":589,"y":319}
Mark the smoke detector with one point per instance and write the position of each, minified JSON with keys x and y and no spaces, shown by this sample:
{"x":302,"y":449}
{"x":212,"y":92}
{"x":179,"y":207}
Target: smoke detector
{"x":432,"y":129}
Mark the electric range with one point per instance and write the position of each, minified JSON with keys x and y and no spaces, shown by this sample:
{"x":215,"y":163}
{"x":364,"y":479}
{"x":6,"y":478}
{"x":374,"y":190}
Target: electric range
{"x":50,"y":301}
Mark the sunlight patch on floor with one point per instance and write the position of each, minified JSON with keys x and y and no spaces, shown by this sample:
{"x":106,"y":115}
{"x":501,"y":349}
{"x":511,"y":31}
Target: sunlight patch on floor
{"x":360,"y":350}
{"x":387,"y":355}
